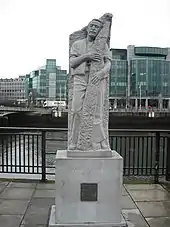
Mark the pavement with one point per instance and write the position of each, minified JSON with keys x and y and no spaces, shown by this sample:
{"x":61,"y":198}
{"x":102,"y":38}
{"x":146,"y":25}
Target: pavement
{"x":28,"y":204}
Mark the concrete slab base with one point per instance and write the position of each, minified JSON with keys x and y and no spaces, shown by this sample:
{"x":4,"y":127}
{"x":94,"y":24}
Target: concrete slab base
{"x":90,"y":154}
{"x":53,"y":224}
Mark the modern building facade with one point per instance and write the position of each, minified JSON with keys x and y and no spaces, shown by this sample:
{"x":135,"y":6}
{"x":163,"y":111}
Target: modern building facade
{"x":12,"y":89}
{"x":49,"y":82}
{"x":118,"y":77}
{"x":147,"y":80}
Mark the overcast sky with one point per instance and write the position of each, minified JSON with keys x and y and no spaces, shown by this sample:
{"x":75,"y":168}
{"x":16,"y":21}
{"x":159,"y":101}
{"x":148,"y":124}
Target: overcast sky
{"x":33,"y":30}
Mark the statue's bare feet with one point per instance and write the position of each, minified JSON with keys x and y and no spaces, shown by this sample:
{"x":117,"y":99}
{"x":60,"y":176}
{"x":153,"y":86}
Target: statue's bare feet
{"x":96,"y":146}
{"x":72,"y":147}
{"x":104,"y":145}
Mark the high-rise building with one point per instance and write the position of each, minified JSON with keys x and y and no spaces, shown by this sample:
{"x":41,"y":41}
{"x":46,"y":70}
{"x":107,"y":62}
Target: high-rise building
{"x":49,"y":82}
{"x":118,"y":76}
{"x":146,"y":81}
{"x":12,"y":89}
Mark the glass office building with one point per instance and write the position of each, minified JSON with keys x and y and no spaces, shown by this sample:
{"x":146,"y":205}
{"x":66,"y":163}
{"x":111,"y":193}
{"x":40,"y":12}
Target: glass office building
{"x":140,"y":73}
{"x":61,"y":85}
{"x":49,"y":82}
{"x":28,"y":84}
{"x":118,"y":77}
{"x":149,"y":76}
{"x":153,"y":76}
{"x":118,"y":73}
{"x":151,"y":71}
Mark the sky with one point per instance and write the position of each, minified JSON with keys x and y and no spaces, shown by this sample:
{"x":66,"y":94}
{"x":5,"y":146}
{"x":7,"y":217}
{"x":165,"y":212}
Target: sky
{"x":33,"y":30}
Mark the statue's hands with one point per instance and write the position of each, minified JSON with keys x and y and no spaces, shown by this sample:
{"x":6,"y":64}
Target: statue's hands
{"x":97,"y":77}
{"x":93,"y":56}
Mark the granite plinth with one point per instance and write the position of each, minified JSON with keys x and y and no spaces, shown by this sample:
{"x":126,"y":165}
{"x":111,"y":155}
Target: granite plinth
{"x":53,"y":224}
{"x":89,"y":154}
{"x":71,"y":173}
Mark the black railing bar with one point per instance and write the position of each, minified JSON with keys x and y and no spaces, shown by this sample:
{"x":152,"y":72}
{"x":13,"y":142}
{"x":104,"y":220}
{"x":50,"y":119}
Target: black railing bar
{"x":18,"y":133}
{"x":43,"y":156}
{"x":25,"y":173}
{"x":28,"y":154}
{"x":33,"y":129}
{"x":139,"y":130}
{"x":66,"y":129}
{"x":133,"y":135}
{"x":37,"y":150}
{"x":30,"y":166}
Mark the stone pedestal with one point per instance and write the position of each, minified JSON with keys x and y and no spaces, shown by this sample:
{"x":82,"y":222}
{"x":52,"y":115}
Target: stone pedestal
{"x":88,"y":191}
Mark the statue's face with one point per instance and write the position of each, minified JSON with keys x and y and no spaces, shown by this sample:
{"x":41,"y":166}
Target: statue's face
{"x":94,"y":28}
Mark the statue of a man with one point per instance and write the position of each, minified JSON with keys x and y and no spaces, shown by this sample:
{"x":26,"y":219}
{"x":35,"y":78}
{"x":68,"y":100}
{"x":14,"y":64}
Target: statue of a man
{"x":90,"y":64}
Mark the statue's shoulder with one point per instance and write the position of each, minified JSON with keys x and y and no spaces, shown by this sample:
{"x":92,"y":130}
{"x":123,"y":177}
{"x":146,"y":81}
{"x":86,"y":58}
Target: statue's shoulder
{"x":79,"y":42}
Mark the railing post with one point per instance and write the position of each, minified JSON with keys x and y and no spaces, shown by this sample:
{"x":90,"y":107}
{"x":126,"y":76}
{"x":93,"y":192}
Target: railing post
{"x":111,"y":142}
{"x":157,"y":154}
{"x":168,"y":159}
{"x":43,"y":147}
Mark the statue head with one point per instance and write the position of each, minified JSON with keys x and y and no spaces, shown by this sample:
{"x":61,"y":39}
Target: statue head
{"x":94,"y":28}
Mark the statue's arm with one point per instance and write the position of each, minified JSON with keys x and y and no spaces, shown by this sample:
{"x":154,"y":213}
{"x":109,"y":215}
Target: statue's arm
{"x":107,"y":66}
{"x":76,"y":58}
{"x":76,"y":61}
{"x":104,"y":72}
{"x":107,"y":60}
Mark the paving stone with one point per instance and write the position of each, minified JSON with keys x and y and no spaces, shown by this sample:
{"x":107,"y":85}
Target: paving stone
{"x":17,"y":193}
{"x":143,"y":187}
{"x":5,"y":183}
{"x":127,"y":203}
{"x":124,"y":192}
{"x":44,"y":193}
{"x":10,"y":220}
{"x":159,"y":222}
{"x":33,"y":225}
{"x":150,"y":195}
{"x":134,"y":218}
{"x":2,"y":187}
{"x":21,"y":185}
{"x":154,"y":209}
{"x":45,"y":186}
{"x":38,"y":212}
{"x":167,"y":187}
{"x":13,"y":206}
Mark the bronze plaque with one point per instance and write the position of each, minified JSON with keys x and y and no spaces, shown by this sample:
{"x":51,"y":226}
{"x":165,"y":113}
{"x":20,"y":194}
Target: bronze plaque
{"x":88,"y":192}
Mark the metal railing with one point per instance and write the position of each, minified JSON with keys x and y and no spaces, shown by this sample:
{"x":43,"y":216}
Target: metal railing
{"x":32,"y":151}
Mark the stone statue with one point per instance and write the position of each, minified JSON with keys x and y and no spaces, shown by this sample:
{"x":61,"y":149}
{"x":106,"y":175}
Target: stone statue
{"x":88,"y":85}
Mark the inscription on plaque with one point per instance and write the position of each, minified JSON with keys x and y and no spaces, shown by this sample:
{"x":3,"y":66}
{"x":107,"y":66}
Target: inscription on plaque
{"x":88,"y":192}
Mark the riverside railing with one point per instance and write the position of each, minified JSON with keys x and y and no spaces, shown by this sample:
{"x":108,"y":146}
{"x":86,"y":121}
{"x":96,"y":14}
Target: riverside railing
{"x":31,"y":151}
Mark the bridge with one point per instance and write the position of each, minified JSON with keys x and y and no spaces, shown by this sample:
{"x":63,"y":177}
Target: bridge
{"x":9,"y":110}
{"x":4,"y":111}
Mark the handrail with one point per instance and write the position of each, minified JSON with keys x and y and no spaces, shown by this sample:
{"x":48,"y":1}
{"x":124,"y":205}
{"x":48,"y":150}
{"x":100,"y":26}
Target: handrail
{"x":66,"y":129}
